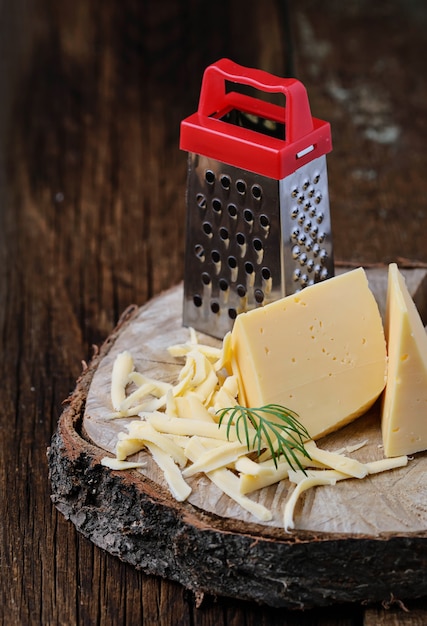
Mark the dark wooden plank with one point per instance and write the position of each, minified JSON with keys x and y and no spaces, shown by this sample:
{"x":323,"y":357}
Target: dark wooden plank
{"x":363,"y":67}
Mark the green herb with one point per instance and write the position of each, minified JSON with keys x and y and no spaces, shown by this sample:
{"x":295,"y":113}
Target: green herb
{"x":282,"y":435}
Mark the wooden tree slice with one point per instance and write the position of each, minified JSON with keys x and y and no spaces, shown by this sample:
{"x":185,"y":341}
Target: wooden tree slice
{"x":357,"y":541}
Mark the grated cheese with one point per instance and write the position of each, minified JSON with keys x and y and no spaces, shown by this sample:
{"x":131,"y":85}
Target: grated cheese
{"x":179,"y":427}
{"x":122,"y":367}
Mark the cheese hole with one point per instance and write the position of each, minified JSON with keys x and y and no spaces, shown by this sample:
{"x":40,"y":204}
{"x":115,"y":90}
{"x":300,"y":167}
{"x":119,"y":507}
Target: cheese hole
{"x":395,"y":430}
{"x":404,"y":357}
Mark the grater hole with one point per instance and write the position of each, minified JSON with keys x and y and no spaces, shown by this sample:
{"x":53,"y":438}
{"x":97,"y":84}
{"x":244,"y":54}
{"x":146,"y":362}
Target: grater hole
{"x":215,"y":256}
{"x":304,"y":280}
{"x":249,"y":268}
{"x":197,"y":300}
{"x":296,"y":251}
{"x":210,"y":177}
{"x":241,"y":291}
{"x":207,"y":228}
{"x":241,"y":186}
{"x":257,"y":244}
{"x":294,"y":234}
{"x":232,"y":210}
{"x":241,"y":239}
{"x":216,"y":205}
{"x":223,"y":284}
{"x":264,"y":221}
{"x":225,"y":181}
{"x":265,"y":273}
{"x":294,"y":192}
{"x":199,"y":251}
{"x":223,"y":233}
{"x":206,"y":279}
{"x":323,"y":257}
{"x":248,"y":215}
{"x":214,"y":307}
{"x":232,"y":262}
{"x":256,"y":192}
{"x":313,"y":232}
{"x":259,"y":296}
{"x":316,"y":179}
{"x":232,"y":314}
{"x":201,"y":201}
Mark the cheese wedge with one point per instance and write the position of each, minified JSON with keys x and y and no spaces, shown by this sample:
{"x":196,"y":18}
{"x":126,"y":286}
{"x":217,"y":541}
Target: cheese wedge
{"x":404,"y":410}
{"x":320,"y":352}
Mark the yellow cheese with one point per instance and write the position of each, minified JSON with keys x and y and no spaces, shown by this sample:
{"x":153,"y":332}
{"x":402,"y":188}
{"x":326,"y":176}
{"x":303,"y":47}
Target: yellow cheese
{"x":404,"y":413}
{"x":122,"y":367}
{"x":320,"y":352}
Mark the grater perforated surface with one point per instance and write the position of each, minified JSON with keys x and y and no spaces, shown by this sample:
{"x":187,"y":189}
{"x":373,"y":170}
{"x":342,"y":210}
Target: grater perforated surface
{"x":251,"y":239}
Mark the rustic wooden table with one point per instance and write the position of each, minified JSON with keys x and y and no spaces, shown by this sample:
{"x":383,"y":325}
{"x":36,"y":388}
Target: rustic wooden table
{"x":92,"y":186}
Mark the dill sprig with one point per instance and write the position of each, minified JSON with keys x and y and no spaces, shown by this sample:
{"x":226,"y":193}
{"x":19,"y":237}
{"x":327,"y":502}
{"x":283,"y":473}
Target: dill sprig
{"x":282,"y":435}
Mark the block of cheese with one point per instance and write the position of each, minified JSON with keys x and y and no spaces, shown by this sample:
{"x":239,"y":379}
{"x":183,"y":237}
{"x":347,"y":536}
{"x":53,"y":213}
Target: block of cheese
{"x":404,"y":410}
{"x":320,"y":352}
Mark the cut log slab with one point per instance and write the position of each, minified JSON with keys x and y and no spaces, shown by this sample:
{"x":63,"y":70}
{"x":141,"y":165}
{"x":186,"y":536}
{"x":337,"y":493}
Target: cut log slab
{"x":132,"y":515}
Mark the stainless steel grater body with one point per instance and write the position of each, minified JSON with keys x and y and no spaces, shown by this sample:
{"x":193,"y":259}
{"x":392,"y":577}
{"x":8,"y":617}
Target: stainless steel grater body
{"x":258,"y":223}
{"x":251,"y":239}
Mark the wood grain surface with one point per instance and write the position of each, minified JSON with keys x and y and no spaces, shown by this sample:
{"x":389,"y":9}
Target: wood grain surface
{"x":92,"y":214}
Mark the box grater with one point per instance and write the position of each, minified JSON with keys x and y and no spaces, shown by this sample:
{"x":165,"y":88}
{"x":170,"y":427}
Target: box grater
{"x":258,"y":222}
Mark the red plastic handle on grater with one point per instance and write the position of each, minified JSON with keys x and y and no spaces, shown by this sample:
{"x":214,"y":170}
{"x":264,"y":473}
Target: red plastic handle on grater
{"x":214,"y":99}
{"x":205,"y":133}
